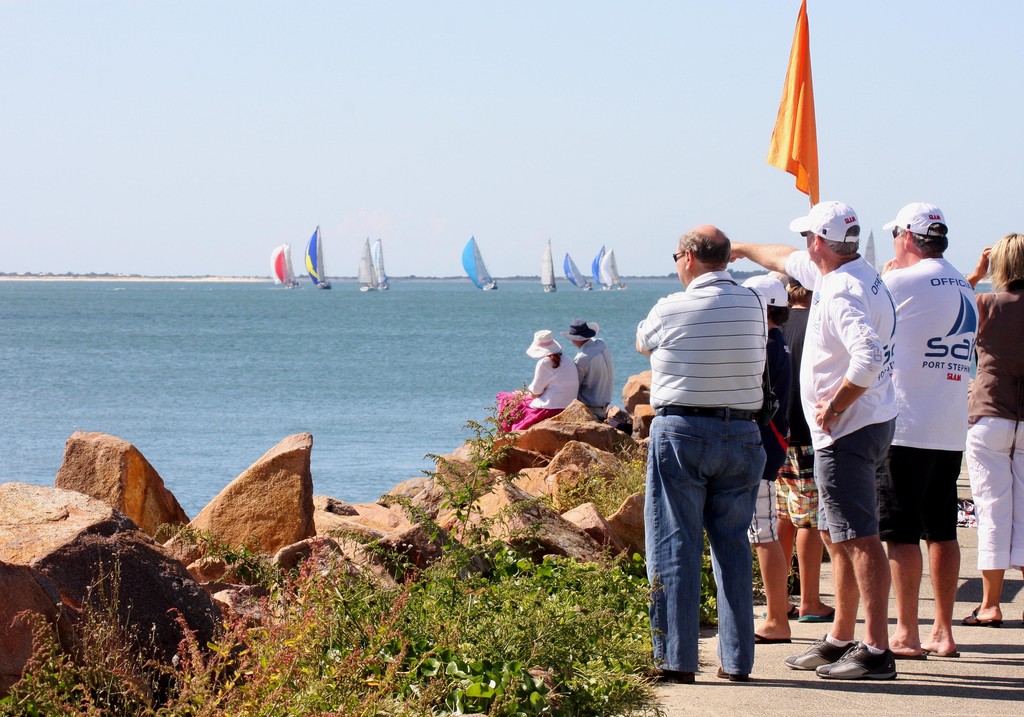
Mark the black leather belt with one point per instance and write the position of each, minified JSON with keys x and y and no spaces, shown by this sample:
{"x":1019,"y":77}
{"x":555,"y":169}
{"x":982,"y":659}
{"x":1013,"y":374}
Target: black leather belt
{"x":707,"y":412}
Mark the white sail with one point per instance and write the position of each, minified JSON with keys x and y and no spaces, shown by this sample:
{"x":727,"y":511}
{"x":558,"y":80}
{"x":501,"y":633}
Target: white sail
{"x":609,"y":271}
{"x":367,"y":275}
{"x":869,"y":250}
{"x":378,"y":259}
{"x":547,"y":270}
{"x":281,"y":263}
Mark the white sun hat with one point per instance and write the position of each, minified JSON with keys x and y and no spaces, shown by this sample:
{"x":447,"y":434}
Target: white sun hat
{"x":544,"y":344}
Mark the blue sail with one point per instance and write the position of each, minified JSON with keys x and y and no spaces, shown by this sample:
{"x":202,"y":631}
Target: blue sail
{"x":469,"y":262}
{"x":595,"y":268}
{"x":473,"y":263}
{"x":313,"y":258}
{"x":570,"y":271}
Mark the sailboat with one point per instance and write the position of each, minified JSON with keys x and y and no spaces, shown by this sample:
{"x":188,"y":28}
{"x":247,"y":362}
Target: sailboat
{"x":595,"y":266}
{"x":473,"y":263}
{"x":572,"y":273}
{"x":315,"y":261}
{"x":609,"y":272}
{"x":869,"y":250}
{"x":378,"y":265}
{"x":281,"y":265}
{"x":547,"y":270}
{"x":367,"y":274}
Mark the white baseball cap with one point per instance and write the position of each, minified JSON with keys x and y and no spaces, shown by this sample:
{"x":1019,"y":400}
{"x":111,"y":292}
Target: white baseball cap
{"x":768,"y":286}
{"x":829,"y":220}
{"x":918,"y":218}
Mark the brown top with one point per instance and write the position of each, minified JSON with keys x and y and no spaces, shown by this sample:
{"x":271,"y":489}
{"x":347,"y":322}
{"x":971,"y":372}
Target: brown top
{"x":999,"y":388}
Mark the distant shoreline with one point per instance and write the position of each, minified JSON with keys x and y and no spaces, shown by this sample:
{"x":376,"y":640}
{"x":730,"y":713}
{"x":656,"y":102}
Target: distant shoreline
{"x":111,"y":277}
{"x":253,"y":279}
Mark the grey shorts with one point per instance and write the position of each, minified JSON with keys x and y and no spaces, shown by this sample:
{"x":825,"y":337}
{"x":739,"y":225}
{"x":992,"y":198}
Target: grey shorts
{"x":845,"y":475}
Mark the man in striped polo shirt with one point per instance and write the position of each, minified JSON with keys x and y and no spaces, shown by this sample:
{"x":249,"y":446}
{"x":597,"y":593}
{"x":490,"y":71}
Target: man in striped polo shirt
{"x":707,"y":346}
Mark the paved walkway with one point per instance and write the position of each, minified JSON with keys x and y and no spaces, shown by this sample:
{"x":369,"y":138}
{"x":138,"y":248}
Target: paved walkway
{"x":988,"y":678}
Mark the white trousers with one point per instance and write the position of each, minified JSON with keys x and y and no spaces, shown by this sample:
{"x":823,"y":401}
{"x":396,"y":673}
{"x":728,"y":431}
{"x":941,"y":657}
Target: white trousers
{"x":997,"y":484}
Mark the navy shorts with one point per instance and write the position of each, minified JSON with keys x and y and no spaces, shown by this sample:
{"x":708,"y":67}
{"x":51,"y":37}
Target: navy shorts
{"x":845,"y":473}
{"x":917,"y":494}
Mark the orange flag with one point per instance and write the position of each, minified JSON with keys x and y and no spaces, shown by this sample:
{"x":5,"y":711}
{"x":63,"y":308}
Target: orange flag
{"x":794,"y":146}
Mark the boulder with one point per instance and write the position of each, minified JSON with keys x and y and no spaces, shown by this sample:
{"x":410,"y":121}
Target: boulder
{"x":332,"y":517}
{"x":627,"y":523}
{"x":26,"y":591}
{"x":533,"y":481}
{"x":519,"y":520}
{"x":457,"y":479}
{"x":636,"y":391}
{"x":515,"y":459}
{"x":587,"y":458}
{"x":642,"y":417}
{"x":587,"y":518}
{"x":416,"y":546}
{"x":268,"y":506}
{"x":93,"y":555}
{"x":114,"y":471}
{"x":412,"y":487}
{"x":575,"y":423}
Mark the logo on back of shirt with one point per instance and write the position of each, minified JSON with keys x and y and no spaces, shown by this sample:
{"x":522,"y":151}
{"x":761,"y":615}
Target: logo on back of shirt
{"x":957,"y":344}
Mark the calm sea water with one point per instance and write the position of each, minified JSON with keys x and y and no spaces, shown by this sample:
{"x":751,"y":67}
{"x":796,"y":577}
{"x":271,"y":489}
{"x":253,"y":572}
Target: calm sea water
{"x":204,"y":378}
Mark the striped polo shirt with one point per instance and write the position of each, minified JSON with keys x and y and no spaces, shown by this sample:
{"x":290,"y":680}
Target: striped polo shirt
{"x":708,"y":345}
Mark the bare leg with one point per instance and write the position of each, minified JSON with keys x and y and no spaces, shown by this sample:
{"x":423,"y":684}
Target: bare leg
{"x":944,"y":565}
{"x":844,"y":587}
{"x":992,"y":592}
{"x":871,"y":571}
{"x":787,"y":536}
{"x":809,"y":548}
{"x":906,"y":567}
{"x":774,"y":572}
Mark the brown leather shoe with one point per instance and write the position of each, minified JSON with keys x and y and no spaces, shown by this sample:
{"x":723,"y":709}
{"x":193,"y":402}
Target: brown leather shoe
{"x":722,"y":674}
{"x":673,"y":676}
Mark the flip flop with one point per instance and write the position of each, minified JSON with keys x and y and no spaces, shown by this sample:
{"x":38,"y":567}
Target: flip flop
{"x":828,"y":617}
{"x":972,"y":620}
{"x":794,"y":612}
{"x":954,"y":653}
{"x":922,"y":655}
{"x":762,"y":640}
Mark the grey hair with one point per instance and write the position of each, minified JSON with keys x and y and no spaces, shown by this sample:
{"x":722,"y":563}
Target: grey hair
{"x":710,"y":249}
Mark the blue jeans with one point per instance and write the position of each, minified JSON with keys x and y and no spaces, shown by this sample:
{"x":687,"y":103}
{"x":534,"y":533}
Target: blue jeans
{"x":702,"y":473}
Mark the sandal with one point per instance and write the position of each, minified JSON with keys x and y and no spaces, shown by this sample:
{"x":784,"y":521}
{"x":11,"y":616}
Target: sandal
{"x":972,"y":620}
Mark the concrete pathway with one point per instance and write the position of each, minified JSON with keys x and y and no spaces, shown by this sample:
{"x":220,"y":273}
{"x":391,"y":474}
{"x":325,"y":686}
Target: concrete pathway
{"x":988,"y":678}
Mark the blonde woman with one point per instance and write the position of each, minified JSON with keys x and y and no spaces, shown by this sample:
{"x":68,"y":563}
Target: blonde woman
{"x":995,"y":439}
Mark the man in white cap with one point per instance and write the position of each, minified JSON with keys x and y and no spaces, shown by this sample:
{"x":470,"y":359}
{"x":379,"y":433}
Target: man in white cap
{"x":594,"y":366}
{"x":937,"y":320}
{"x":707,"y":349}
{"x":850,"y":404}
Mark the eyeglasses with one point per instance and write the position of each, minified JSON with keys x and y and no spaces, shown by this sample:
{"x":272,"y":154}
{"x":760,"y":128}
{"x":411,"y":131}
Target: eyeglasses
{"x":896,"y":231}
{"x":677,"y":256}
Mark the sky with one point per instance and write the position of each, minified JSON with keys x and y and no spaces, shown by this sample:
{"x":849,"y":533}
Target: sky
{"x":173,"y":138}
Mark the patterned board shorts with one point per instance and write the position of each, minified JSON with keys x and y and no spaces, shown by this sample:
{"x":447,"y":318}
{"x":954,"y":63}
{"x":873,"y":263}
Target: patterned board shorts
{"x":796,"y":496}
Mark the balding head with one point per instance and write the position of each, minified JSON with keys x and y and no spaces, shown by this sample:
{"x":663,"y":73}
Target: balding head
{"x":709,"y":245}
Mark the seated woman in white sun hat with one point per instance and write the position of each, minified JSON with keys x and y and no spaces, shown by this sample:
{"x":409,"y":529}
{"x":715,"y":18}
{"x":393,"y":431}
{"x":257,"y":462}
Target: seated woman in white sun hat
{"x":554,"y":386}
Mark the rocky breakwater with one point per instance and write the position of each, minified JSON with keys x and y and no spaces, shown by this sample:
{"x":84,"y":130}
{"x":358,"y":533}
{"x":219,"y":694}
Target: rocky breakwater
{"x":58,"y":546}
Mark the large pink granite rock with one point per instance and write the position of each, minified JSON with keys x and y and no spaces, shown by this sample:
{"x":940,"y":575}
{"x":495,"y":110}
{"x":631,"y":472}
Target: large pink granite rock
{"x":114,"y":471}
{"x":637,"y":391}
{"x":575,"y":423}
{"x":268,"y":506}
{"x":93,"y":554}
{"x":26,"y":591}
